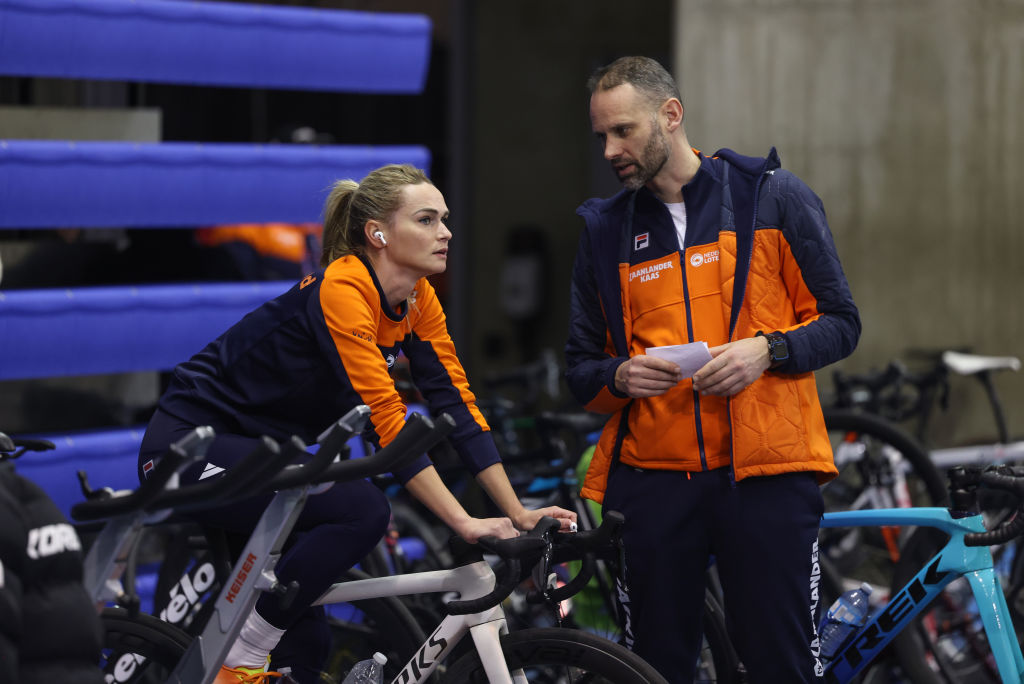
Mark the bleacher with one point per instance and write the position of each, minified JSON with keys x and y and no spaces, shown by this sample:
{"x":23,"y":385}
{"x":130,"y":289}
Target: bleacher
{"x":49,"y":333}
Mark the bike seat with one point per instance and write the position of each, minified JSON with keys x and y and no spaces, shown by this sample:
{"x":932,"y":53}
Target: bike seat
{"x":969,"y":364}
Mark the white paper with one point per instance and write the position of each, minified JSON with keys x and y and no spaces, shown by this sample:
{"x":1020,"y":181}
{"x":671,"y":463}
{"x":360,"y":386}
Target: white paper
{"x":689,"y":357}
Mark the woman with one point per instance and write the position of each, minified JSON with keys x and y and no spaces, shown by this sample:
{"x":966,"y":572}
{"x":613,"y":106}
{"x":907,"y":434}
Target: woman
{"x":299,"y":362}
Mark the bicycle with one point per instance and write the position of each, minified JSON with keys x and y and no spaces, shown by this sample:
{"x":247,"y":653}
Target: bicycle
{"x":965,"y":554}
{"x":135,"y":640}
{"x":253,"y":573}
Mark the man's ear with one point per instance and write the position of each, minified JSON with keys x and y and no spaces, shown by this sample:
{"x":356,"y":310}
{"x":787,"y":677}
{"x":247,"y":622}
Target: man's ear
{"x":673,"y":112}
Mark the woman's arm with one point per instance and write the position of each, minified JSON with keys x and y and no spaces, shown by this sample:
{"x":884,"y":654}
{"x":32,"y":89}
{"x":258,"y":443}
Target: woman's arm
{"x":495,"y":482}
{"x":430,"y":490}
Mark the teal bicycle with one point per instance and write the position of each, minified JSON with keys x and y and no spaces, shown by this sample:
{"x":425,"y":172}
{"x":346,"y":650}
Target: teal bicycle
{"x":967,"y":553}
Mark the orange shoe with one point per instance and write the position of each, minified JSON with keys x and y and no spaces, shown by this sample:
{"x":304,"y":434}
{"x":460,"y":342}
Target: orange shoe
{"x":244,"y":675}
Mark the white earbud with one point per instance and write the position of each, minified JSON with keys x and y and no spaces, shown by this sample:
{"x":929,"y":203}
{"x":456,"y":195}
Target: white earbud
{"x":380,"y":236}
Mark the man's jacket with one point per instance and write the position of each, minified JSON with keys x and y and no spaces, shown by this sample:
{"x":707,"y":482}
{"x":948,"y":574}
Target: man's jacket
{"x":758,"y":256}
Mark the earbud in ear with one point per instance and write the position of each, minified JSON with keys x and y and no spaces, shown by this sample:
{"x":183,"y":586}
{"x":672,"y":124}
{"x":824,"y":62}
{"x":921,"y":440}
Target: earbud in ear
{"x":380,"y":236}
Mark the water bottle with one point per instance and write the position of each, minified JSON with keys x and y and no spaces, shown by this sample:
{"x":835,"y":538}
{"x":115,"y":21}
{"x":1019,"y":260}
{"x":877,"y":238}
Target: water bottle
{"x":843,"y":619}
{"x":369,"y":671}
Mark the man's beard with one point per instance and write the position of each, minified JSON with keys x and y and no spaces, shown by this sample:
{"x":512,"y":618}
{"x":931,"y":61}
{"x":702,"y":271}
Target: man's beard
{"x":652,"y":159}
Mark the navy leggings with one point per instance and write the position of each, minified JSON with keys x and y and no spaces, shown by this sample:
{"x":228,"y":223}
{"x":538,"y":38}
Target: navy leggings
{"x":762,"y":532}
{"x":334,"y":531}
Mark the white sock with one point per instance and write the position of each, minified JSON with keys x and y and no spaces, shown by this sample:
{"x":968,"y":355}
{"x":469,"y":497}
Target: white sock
{"x":254,"y":644}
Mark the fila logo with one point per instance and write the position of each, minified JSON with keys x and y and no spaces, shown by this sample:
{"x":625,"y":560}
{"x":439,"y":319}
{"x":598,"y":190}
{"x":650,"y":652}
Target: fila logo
{"x":210,"y":470}
{"x":50,"y":540}
{"x":699,"y":259}
{"x":641,"y":241}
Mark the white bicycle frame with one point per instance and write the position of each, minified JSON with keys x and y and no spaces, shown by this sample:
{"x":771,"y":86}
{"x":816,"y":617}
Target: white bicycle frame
{"x":470,"y":581}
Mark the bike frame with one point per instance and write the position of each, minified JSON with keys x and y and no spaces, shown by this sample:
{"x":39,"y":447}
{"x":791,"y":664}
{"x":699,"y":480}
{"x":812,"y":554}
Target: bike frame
{"x":470,"y":581}
{"x":253,"y":573}
{"x":954,"y":560}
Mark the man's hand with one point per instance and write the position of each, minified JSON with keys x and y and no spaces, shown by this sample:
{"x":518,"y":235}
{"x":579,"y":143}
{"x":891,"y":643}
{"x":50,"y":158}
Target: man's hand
{"x":733,"y":367}
{"x":646,"y":376}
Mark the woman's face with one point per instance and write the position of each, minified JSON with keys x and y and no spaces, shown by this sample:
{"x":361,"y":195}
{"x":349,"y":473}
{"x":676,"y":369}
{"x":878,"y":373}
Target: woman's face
{"x":417,"y":237}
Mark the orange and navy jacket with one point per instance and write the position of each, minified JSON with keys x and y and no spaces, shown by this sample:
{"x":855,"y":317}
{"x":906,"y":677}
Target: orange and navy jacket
{"x":301,"y":361}
{"x":758,"y":256}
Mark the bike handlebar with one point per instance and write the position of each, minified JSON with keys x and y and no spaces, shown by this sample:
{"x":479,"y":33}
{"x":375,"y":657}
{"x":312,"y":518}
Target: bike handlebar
{"x":1008,"y":479}
{"x":187,"y":450}
{"x":542,"y":543}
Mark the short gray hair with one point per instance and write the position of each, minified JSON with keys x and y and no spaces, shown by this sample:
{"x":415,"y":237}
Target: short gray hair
{"x":647,"y":75}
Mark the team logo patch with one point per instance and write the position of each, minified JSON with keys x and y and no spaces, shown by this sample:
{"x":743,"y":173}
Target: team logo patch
{"x":210,"y":470}
{"x":641,"y":241}
{"x":391,"y":360}
{"x":696,"y":260}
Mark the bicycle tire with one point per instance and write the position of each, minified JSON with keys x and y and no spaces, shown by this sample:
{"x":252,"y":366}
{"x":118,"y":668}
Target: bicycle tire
{"x":560,"y":655}
{"x":869,"y":553}
{"x":384,"y":624}
{"x":139,"y":649}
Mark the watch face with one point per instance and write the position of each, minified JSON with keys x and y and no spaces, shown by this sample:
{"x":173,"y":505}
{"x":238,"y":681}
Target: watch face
{"x":778,"y":350}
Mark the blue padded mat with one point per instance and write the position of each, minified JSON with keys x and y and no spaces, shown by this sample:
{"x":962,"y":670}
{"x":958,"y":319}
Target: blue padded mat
{"x":216,"y":43}
{"x":94,"y":330}
{"x":52,"y":184}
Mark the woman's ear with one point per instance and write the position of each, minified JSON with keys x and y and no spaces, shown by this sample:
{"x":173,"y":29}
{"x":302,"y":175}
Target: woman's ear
{"x":373,"y":234}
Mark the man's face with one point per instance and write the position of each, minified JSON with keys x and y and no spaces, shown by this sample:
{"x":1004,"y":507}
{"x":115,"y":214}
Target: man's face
{"x":630,"y":133}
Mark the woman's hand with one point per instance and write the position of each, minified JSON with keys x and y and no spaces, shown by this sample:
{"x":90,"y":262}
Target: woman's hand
{"x":472,"y":529}
{"x":526,"y":519}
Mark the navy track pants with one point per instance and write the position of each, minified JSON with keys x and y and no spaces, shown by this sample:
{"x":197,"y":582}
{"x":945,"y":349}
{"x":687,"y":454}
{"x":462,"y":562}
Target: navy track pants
{"x":762,"y":533}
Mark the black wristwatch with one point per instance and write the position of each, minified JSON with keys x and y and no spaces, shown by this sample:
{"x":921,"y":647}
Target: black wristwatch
{"x":778,"y":348}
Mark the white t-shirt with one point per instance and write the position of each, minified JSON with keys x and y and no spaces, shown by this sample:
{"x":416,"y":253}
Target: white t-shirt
{"x":678,"y":211}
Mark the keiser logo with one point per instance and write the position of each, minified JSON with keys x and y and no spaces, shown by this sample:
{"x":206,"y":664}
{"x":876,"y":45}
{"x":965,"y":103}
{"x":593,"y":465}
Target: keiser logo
{"x":236,"y":585}
{"x":49,"y":540}
{"x":698,"y":259}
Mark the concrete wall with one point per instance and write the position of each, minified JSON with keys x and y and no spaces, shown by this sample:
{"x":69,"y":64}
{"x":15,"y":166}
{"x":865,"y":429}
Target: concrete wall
{"x":907,"y":117}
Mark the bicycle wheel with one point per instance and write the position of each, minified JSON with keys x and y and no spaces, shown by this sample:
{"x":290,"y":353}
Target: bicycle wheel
{"x":946,"y":644}
{"x":380,"y":624}
{"x":880,"y":466}
{"x":560,"y":656}
{"x":140,"y":649}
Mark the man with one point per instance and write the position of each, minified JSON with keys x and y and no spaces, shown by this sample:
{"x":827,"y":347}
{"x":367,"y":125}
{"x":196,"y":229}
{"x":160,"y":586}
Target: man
{"x":735,"y":252}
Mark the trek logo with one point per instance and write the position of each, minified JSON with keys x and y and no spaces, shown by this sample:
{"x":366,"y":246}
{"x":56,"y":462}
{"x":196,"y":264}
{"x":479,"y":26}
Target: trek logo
{"x":699,"y":259}
{"x":875,"y":634}
{"x":420,"y":663}
{"x":243,"y":574}
{"x":49,"y":540}
{"x":641,"y":241}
